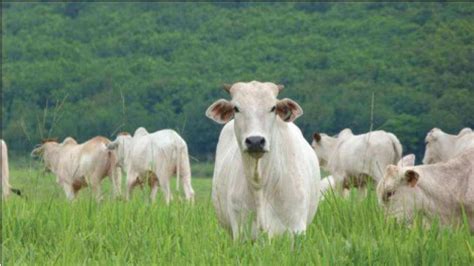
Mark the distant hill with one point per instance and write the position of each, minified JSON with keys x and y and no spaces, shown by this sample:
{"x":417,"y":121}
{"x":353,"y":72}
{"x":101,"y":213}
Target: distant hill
{"x":86,"y":69}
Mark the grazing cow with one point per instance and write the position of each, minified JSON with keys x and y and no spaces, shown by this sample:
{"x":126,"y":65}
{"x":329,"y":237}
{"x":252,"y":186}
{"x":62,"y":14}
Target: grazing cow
{"x":157,"y":156}
{"x":265,"y":172}
{"x":79,"y":165}
{"x":352,"y":158}
{"x":6,"y":188}
{"x":444,"y":190}
{"x":441,"y":146}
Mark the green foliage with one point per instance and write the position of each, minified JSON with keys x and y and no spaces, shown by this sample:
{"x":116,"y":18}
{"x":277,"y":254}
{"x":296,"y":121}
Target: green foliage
{"x":169,"y":60}
{"x":46,"y":229}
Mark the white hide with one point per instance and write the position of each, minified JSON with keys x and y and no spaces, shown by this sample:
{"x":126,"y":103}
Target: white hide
{"x":157,"y":155}
{"x":442,"y":190}
{"x":275,"y":193}
{"x":328,"y":184}
{"x":79,"y":165}
{"x":349,"y":155}
{"x":441,"y":146}
{"x":6,"y":188}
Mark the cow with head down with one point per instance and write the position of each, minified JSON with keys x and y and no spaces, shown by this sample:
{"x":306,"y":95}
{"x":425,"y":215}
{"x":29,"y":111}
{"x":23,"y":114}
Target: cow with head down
{"x":443,"y":190}
{"x":265,"y":173}
{"x":440,"y":146}
{"x":80,"y":165}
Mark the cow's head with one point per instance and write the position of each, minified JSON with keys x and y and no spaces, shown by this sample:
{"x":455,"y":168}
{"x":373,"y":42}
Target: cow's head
{"x":44,"y":151}
{"x":120,"y":145}
{"x":397,"y":177}
{"x":323,"y":145}
{"x":255,"y":109}
{"x":46,"y":144}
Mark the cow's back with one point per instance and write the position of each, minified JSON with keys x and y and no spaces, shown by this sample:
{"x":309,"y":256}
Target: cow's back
{"x":87,"y":158}
{"x":364,"y":154}
{"x":158,"y":149}
{"x":465,"y":142}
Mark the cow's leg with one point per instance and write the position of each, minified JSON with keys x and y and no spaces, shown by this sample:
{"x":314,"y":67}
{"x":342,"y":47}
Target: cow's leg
{"x":132,"y":181}
{"x":70,"y":191}
{"x":116,"y":176}
{"x":339,"y":183}
{"x":188,"y":189}
{"x":96,"y":188}
{"x":153,"y":182}
{"x":165,"y":186}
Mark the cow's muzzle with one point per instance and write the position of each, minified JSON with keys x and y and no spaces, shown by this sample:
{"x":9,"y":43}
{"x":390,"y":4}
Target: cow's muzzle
{"x":255,"y":146}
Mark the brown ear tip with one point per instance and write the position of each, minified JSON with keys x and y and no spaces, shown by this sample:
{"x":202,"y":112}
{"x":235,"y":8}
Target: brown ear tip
{"x":316,"y":136}
{"x":227,"y":87}
{"x":280,"y":87}
{"x":412,"y":177}
{"x":43,"y":141}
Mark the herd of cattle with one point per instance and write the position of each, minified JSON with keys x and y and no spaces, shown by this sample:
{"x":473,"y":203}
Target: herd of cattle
{"x":266,"y":173}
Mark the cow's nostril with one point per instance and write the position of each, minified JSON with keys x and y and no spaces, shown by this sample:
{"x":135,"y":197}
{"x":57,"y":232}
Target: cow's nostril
{"x":255,"y":143}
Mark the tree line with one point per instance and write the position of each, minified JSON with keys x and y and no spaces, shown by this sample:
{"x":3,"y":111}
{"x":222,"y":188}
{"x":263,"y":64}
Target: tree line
{"x":87,"y":69}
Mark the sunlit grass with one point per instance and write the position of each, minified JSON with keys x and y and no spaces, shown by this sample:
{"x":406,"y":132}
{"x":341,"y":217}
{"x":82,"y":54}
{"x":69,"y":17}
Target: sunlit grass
{"x":46,"y":229}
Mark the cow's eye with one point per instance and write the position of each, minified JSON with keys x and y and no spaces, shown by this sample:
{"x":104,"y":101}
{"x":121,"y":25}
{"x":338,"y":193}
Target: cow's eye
{"x":273,"y":108}
{"x":236,"y":109}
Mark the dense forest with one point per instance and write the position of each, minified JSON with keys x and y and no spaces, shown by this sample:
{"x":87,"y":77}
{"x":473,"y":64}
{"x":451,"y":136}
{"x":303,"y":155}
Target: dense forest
{"x":86,"y":69}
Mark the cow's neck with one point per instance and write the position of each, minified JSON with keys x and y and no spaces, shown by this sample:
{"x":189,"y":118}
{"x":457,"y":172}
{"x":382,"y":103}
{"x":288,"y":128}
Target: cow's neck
{"x":271,"y":165}
{"x":438,"y":184}
{"x":270,"y":170}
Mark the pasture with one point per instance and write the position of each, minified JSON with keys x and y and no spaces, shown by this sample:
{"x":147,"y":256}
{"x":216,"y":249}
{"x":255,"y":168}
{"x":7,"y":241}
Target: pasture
{"x":46,"y":229}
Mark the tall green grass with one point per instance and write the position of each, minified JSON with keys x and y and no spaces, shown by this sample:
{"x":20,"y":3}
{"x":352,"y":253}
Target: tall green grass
{"x":46,"y":229}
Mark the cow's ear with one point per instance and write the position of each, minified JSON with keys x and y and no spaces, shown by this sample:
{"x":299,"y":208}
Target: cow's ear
{"x":317,"y":137}
{"x":221,"y":111}
{"x":411,"y":177}
{"x":407,"y":160}
{"x":288,"y":110}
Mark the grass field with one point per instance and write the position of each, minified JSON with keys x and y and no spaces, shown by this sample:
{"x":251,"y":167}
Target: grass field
{"x":46,"y":229}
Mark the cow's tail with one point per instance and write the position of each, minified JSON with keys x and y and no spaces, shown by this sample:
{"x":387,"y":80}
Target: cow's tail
{"x":397,"y":147}
{"x":185,"y":172}
{"x":16,"y":191}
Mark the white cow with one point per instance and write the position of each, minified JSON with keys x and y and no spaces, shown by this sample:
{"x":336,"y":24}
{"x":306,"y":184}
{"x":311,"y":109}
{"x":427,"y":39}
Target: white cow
{"x":266,"y":174}
{"x":79,"y":165}
{"x":157,"y":156}
{"x":441,"y":146}
{"x":6,"y":188}
{"x":356,"y":156}
{"x":443,"y":190}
